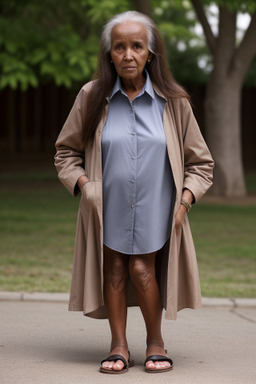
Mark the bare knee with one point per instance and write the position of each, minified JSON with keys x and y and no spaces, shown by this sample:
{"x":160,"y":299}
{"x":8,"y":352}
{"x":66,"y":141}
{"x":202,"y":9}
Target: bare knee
{"x":141,"y":272}
{"x":115,"y":272}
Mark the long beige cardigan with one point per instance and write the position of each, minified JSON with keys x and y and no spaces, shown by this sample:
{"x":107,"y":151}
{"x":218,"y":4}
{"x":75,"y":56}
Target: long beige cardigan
{"x":192,"y":166}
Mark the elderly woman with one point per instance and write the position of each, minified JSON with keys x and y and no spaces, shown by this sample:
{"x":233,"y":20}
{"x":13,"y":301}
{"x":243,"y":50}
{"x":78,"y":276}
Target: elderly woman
{"x":131,"y":145}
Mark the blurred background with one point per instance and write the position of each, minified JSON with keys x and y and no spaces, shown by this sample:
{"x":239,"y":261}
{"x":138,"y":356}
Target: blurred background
{"x":48,"y":50}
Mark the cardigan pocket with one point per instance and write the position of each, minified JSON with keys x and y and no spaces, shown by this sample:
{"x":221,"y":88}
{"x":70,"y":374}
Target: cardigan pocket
{"x":92,"y":195}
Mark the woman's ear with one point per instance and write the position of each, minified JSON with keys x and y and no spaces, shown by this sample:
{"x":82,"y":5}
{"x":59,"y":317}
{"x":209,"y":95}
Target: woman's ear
{"x":150,"y":55}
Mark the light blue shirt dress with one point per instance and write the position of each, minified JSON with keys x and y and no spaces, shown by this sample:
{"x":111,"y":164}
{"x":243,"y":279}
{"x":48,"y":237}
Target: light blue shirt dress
{"x":138,"y":186}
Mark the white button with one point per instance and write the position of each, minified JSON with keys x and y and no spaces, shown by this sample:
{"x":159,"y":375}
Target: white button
{"x":133,"y":157}
{"x":133,"y":133}
{"x":132,"y":206}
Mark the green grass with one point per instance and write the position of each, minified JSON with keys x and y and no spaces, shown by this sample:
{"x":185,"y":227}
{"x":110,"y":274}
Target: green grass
{"x":226,"y":249}
{"x":37,"y":229}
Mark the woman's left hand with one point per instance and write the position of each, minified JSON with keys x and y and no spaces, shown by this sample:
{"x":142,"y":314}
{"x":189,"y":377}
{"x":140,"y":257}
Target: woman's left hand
{"x":179,"y":217}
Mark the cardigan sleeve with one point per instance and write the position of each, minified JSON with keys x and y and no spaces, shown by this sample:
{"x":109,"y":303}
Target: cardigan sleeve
{"x":198,"y":162}
{"x":69,"y":159}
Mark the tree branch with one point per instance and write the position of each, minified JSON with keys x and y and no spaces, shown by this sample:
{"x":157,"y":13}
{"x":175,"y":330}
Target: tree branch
{"x":142,"y":6}
{"x":210,"y":38}
{"x":226,"y":39}
{"x":245,"y":53}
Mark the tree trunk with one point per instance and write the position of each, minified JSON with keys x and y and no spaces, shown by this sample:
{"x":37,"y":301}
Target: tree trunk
{"x":142,"y":6}
{"x":222,"y":110}
{"x":223,"y":120}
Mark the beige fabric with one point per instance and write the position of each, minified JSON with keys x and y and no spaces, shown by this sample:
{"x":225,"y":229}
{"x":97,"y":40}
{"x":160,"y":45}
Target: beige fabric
{"x":192,"y":166}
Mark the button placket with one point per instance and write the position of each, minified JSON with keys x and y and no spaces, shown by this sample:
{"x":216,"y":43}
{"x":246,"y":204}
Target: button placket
{"x":133,"y":172}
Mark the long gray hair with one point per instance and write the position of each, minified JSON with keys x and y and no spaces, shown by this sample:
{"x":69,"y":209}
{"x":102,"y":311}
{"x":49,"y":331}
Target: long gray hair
{"x":105,"y":75}
{"x":121,"y":18}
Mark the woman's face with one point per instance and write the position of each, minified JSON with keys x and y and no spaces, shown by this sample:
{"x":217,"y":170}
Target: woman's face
{"x":129,"y":50}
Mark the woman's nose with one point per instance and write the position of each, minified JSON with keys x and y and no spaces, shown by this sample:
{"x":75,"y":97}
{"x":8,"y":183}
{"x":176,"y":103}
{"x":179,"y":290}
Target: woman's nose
{"x":128,"y":54}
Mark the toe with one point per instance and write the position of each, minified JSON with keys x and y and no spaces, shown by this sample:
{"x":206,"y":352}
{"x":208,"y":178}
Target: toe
{"x":150,"y":364}
{"x":162,"y":364}
{"x":108,"y":365}
{"x":118,"y":365}
{"x":157,"y":365}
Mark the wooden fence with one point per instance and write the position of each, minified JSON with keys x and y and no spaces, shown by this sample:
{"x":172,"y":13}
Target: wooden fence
{"x":30,"y":121}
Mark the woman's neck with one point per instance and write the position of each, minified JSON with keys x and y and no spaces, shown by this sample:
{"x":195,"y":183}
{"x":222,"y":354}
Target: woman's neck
{"x":133,"y":87}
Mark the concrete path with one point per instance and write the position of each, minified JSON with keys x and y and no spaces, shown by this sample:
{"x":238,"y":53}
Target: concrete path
{"x":41,"y":342}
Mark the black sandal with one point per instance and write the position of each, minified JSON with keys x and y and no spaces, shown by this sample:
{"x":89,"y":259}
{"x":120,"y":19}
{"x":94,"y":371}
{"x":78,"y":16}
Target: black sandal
{"x":115,"y":358}
{"x":156,"y":358}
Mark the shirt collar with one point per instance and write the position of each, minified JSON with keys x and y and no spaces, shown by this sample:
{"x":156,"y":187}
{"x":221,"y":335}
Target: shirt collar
{"x":148,"y":87}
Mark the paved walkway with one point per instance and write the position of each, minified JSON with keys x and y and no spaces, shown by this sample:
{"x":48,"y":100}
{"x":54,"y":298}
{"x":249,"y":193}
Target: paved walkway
{"x":41,"y":342}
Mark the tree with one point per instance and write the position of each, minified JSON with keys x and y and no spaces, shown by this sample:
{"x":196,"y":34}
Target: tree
{"x":231,"y":60}
{"x":57,"y":40}
{"x":184,"y":47}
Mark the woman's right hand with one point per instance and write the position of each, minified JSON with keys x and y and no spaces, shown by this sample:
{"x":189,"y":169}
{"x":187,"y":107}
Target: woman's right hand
{"x":82,"y":181}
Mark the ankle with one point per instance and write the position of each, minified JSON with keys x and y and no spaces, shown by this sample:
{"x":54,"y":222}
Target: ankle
{"x":155,"y":342}
{"x":119,"y":345}
{"x":155,"y":347}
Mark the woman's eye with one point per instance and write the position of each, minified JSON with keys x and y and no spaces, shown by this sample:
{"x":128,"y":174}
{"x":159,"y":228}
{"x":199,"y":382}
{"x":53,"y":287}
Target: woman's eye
{"x":119,"y":47}
{"x":137,"y":46}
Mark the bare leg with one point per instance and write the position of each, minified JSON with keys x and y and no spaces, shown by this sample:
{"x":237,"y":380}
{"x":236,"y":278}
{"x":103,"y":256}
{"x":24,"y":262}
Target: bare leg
{"x":115,"y":279}
{"x":142,"y":273}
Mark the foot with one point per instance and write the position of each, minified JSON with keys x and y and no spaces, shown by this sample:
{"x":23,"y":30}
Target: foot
{"x":157,"y":365}
{"x":118,"y":365}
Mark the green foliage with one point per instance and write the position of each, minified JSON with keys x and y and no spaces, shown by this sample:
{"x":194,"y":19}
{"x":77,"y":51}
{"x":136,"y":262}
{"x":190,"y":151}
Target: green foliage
{"x":103,"y":10}
{"x":176,"y":22}
{"x":235,"y":5}
{"x":51,"y":40}
{"x":58,"y":40}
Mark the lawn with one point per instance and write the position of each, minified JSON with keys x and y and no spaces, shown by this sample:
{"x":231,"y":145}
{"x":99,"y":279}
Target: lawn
{"x":226,"y":248}
{"x":37,"y":229}
{"x":37,"y":226}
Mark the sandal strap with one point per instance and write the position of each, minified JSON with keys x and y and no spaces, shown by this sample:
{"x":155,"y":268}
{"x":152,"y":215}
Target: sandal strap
{"x":155,"y":358}
{"x":115,"y":358}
